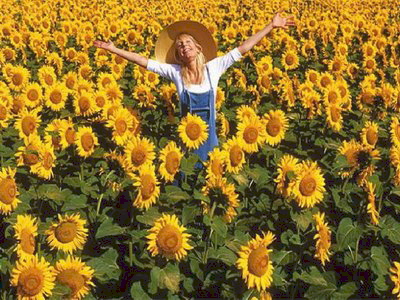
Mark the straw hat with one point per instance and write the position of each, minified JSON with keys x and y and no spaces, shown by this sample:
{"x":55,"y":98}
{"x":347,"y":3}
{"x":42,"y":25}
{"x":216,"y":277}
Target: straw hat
{"x":165,"y":45}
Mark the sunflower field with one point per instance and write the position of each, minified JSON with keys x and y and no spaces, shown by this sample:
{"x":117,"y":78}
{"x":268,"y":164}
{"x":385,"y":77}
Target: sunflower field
{"x":98,"y":199}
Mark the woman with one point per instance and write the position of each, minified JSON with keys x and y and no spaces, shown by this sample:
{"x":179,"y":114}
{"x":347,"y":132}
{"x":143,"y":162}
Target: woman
{"x":186,"y":54}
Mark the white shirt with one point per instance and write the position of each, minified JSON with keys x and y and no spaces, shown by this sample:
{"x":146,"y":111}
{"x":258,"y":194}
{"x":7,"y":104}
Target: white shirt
{"x":216,"y":67}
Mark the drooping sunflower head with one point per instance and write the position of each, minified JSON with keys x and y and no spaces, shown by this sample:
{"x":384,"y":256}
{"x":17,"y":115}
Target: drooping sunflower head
{"x":395,"y":131}
{"x":323,"y":237}
{"x":76,"y":275}
{"x":33,"y":278}
{"x":255,"y":262}
{"x":68,"y":234}
{"x":193,"y":131}
{"x":148,"y":187}
{"x":8,"y":190}
{"x":334,"y":116}
{"x":276,"y":124}
{"x":371,"y":207}
{"x":287,"y":167}
{"x":251,"y":133}
{"x":44,"y":168}
{"x":168,"y":239}
{"x":25,"y":232}
{"x":170,"y":157}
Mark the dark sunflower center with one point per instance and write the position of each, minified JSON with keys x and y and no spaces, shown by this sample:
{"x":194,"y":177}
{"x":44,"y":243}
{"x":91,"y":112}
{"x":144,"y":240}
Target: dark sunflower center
{"x":70,"y":82}
{"x":325,"y":81}
{"x":33,"y":95}
{"x":100,"y":101}
{"x":72,"y":279}
{"x":138,"y":156}
{"x":84,"y":104}
{"x":217,"y":167}
{"x":289,"y":59}
{"x":235,"y":155}
{"x":121,"y":126}
{"x":8,"y":191}
{"x":17,"y":79}
{"x":30,"y":282}
{"x":169,"y":239}
{"x":308,"y":185}
{"x":148,"y":186}
{"x":274,"y":127}
{"x":87,"y":141}
{"x":3,"y":112}
{"x":335,"y":114}
{"x":258,"y":261}
{"x":70,"y":136}
{"x":27,"y":241}
{"x":193,"y":131}
{"x":28,"y":125}
{"x":66,"y":232}
{"x":332,"y":97}
{"x":172,"y":162}
{"x":48,"y":79}
{"x":48,"y":161}
{"x":56,"y":97}
{"x":372,"y":136}
{"x":250,"y":134}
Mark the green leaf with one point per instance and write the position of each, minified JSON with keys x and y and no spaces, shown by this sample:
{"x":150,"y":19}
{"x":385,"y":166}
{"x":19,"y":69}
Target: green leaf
{"x":188,"y":284}
{"x":347,"y":234}
{"x":170,"y":278}
{"x":303,"y":219}
{"x":345,"y":291}
{"x":174,"y":193}
{"x":59,"y":291}
{"x":390,"y":229}
{"x":224,"y":254}
{"x":341,"y":202}
{"x":149,"y":216}
{"x":107,"y":228}
{"x":154,"y":280}
{"x":137,"y":292}
{"x":320,"y":292}
{"x":105,"y":266}
{"x":283,"y":257}
{"x":189,"y":213}
{"x":313,"y":277}
{"x":50,"y":191}
{"x":380,"y":263}
{"x":74,"y":202}
{"x":187,"y":164}
{"x":219,"y":227}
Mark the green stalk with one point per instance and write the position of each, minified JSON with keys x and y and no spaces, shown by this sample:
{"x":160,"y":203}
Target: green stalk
{"x":99,"y":204}
{"x":130,"y":254}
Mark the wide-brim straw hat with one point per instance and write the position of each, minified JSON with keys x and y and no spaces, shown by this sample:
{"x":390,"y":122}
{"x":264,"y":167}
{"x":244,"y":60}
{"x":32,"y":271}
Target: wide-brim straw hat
{"x":165,"y":45}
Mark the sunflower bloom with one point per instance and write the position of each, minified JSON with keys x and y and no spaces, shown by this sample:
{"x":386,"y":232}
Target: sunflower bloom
{"x":68,"y":234}
{"x":276,"y":125}
{"x":76,"y":275}
{"x":287,"y":164}
{"x":33,"y":278}
{"x":168,"y":238}
{"x":255,"y":263}
{"x":193,"y":131}
{"x":86,"y":141}
{"x":215,"y":166}
{"x":139,"y":151}
{"x":148,"y":187}
{"x":323,"y":238}
{"x":27,"y":123}
{"x":309,"y":185}
{"x":8,"y":190}
{"x":395,"y":277}
{"x":371,"y":207}
{"x":25,"y":232}
{"x":121,"y":123}
{"x":170,"y":157}
{"x":235,"y":155}
{"x":369,"y":134}
{"x":251,"y":134}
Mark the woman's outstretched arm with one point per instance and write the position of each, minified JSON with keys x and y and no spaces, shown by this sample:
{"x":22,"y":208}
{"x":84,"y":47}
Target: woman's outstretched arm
{"x":131,"y":56}
{"x":277,"y":22}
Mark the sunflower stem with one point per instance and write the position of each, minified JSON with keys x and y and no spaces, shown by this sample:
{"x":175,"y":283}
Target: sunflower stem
{"x":130,"y":253}
{"x":99,"y":204}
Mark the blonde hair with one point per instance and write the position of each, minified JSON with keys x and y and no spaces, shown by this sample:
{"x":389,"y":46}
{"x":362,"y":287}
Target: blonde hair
{"x":200,"y":60}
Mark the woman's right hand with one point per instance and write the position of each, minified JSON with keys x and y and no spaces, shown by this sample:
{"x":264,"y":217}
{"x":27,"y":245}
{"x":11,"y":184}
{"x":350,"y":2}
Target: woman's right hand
{"x":104,"y":45}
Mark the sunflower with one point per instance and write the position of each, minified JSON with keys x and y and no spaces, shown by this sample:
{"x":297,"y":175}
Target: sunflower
{"x":33,"y":278}
{"x":70,"y":80}
{"x":255,"y":262}
{"x":8,"y":190}
{"x":251,"y":134}
{"x":86,"y":141}
{"x":371,"y":207}
{"x":105,"y":79}
{"x":332,"y":95}
{"x":223,"y":124}
{"x":44,"y":168}
{"x":276,"y":124}
{"x":100,"y":98}
{"x":47,"y":76}
{"x":312,"y":76}
{"x":114,"y":92}
{"x":32,"y":95}
{"x":290,"y":60}
{"x":337,"y":65}
{"x":27,"y":123}
{"x":168,"y":238}
{"x":235,"y":155}
{"x":369,"y":64}
{"x":68,"y":234}
{"x":148,"y":187}
{"x":139,"y":151}
{"x":76,"y":275}
{"x":324,"y":80}
{"x":143,"y":95}
{"x":286,"y":166}
{"x":84,"y":104}
{"x":215,"y":165}
{"x":83,"y":85}
{"x":366,"y":159}
{"x":369,"y":134}
{"x":67,"y":133}
{"x":395,"y":277}
{"x":18,"y":78}
{"x":223,"y":198}
{"x":193,"y":131}
{"x":85,"y":71}
{"x":308,"y":186}
{"x":170,"y":157}
{"x":25,"y":232}
{"x":323,"y":238}
{"x":366,"y":99}
{"x":245,"y":111}
{"x":56,"y":96}
{"x":5,"y":113}
{"x":121,"y":123}
{"x":264,"y":65}
{"x":264,"y":83}
{"x":334,"y":116}
{"x":395,"y":131}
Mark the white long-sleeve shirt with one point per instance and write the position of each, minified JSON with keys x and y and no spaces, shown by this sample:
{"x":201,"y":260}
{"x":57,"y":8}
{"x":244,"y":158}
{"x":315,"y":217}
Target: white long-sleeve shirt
{"x":216,"y":67}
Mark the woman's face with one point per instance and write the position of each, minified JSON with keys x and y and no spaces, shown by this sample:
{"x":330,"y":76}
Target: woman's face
{"x":186,"y":48}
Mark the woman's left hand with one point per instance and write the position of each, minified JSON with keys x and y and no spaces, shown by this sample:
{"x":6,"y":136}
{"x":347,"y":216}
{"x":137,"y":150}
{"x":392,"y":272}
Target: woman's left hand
{"x":282,"y":22}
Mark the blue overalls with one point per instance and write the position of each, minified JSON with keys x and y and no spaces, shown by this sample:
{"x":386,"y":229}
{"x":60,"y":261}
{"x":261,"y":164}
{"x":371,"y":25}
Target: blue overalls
{"x":201,"y":104}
